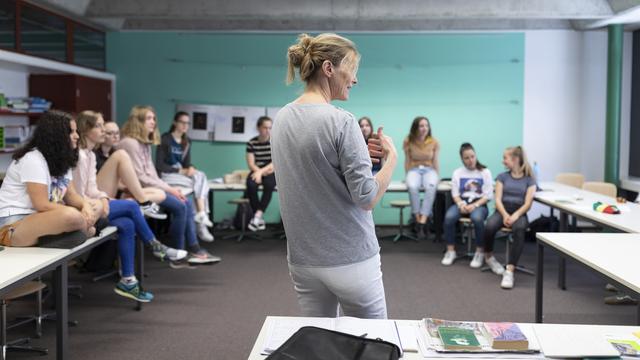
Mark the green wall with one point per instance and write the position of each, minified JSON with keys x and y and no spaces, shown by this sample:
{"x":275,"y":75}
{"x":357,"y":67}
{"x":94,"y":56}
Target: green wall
{"x":469,"y":85}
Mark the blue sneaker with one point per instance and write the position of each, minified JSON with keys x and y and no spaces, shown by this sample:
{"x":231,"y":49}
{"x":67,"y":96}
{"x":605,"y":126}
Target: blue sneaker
{"x":133,"y":291}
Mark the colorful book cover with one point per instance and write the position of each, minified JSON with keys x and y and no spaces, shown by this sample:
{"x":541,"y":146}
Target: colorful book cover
{"x":626,"y":347}
{"x":454,"y":338}
{"x":505,"y":335}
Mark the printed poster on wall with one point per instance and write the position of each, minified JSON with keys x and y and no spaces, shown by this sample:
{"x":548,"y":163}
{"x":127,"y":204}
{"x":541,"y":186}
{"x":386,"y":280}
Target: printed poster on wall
{"x":236,"y":123}
{"x":202,"y":123}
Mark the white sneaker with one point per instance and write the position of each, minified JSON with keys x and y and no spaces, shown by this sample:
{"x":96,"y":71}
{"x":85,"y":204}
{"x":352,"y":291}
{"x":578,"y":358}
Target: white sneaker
{"x":449,"y":258}
{"x":262,"y":225}
{"x":202,"y":218}
{"x":254,"y":224}
{"x":507,"y":280}
{"x":495,"y":266}
{"x":204,"y":234}
{"x":477,"y":261}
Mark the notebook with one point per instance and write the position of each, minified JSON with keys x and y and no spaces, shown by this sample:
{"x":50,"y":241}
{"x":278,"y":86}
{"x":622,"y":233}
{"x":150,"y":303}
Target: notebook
{"x":568,"y":341}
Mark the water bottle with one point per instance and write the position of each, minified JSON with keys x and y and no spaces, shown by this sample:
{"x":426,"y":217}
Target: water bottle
{"x":536,"y":171}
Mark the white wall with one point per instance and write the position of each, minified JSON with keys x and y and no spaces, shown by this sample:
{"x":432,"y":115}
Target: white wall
{"x":565,"y":100}
{"x":13,"y":82}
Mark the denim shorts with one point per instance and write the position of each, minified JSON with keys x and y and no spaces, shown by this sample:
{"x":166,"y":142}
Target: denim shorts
{"x":6,"y":230}
{"x":8,"y":220}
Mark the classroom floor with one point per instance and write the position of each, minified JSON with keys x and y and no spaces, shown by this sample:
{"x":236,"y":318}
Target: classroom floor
{"x":215,"y":312}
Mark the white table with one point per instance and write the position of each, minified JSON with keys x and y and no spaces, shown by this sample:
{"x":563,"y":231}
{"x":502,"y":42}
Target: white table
{"x":593,"y":331}
{"x":612,"y":255}
{"x":579,"y":203}
{"x":19,"y":265}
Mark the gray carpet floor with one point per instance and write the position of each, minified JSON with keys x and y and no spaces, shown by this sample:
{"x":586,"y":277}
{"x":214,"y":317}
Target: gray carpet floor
{"x":216,"y":312}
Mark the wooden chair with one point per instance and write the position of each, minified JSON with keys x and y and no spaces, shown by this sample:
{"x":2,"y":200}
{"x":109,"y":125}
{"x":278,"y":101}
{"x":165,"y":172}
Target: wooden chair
{"x":571,"y":179}
{"x":603,"y":188}
{"x":22,"y":345}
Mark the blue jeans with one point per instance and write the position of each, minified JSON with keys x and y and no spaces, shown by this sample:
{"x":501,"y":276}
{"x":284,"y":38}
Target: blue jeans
{"x":127,"y":217}
{"x":183,"y":226}
{"x":426,"y":178}
{"x":477,"y":217}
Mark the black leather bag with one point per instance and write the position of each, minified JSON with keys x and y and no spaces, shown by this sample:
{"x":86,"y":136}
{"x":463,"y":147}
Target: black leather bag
{"x":313,"y":343}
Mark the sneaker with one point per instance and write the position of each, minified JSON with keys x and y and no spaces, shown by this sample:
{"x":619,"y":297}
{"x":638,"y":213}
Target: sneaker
{"x":420,"y":231}
{"x":203,"y":257}
{"x":610,"y":287}
{"x":620,"y":299}
{"x":477,"y":261}
{"x":495,"y":266}
{"x":163,"y":252}
{"x":254,"y":224}
{"x":133,"y":291}
{"x":204,"y":234}
{"x":180,"y":264}
{"x":152,"y":210}
{"x":202,"y":218}
{"x":449,"y":258}
{"x":262,"y":225}
{"x":507,"y":280}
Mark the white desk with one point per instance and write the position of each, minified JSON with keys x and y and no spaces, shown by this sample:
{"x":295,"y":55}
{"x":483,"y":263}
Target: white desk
{"x":579,"y":203}
{"x":592,"y":331}
{"x":19,"y":265}
{"x":614,"y":256}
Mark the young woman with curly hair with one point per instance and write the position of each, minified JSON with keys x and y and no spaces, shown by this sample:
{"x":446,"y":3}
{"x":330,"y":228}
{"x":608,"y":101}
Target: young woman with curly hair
{"x":37,"y":196}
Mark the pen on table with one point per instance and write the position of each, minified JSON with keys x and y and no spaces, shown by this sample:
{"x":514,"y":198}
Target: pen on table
{"x":364,"y":335}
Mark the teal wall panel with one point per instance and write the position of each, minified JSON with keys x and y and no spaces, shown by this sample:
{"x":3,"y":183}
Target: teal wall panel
{"x":469,"y":85}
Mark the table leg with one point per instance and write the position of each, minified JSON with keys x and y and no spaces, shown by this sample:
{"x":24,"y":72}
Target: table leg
{"x":562,"y":263}
{"x":211,"y":205}
{"x":539,"y":281}
{"x":61,"y":280}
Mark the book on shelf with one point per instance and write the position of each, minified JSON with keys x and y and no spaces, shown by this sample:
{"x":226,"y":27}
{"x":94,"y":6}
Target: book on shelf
{"x":505,"y":336}
{"x":434,"y":341}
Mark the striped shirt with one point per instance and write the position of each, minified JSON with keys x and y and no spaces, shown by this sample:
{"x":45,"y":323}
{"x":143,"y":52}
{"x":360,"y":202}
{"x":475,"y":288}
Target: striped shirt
{"x":261,"y":151}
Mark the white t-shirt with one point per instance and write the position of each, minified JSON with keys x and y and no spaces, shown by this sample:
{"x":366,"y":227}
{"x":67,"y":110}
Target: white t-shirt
{"x":471,"y":185}
{"x":14,"y":199}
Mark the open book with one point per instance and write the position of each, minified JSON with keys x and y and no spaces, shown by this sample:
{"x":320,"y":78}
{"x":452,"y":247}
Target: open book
{"x":281,"y":329}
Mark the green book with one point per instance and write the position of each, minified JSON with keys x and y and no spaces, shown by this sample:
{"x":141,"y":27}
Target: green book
{"x":454,"y":338}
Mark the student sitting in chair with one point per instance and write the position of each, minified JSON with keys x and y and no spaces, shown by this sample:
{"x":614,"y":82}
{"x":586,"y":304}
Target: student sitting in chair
{"x":124,"y":214}
{"x":140,"y":132}
{"x":173,"y":162}
{"x":259,"y":162}
{"x":37,"y":197}
{"x":471,"y":190}
{"x":514,"y":195}
{"x":421,"y":164}
{"x":116,"y":175}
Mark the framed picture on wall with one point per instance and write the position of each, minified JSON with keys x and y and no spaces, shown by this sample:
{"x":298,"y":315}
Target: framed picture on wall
{"x":236,"y":123}
{"x":202,"y":125}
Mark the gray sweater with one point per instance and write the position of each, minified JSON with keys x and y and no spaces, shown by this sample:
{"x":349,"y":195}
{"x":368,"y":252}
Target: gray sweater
{"x":323,"y":171}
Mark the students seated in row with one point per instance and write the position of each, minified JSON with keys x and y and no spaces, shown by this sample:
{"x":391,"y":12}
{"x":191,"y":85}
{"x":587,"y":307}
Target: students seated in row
{"x":173,"y":162}
{"x":421,"y":164}
{"x":37,"y":196}
{"x":471,"y":190}
{"x":366,"y":126}
{"x":262,"y":173}
{"x":514,"y":195}
{"x":115,"y":169}
{"x":124,"y":214}
{"x":139,"y":133}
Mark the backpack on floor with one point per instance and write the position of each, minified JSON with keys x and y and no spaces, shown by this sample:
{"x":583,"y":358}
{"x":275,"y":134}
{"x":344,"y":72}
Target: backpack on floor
{"x":542,"y":224}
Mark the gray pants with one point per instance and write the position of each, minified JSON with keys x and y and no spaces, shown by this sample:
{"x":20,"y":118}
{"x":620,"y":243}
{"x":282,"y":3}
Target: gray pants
{"x":355,"y":288}
{"x":197,"y":182}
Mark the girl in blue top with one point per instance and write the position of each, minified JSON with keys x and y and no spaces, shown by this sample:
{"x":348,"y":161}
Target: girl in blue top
{"x":514,"y":195}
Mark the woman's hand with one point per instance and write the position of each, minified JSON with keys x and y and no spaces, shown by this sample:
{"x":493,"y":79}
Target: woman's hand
{"x":177,"y":193}
{"x":381,"y":146}
{"x":257,"y":177}
{"x":105,"y":207}
{"x":190,"y":171}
